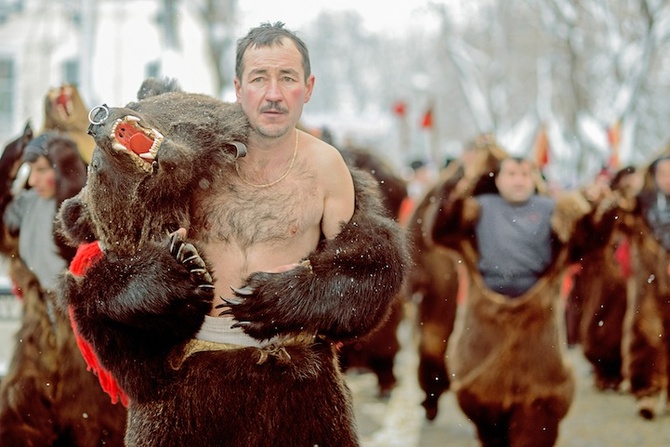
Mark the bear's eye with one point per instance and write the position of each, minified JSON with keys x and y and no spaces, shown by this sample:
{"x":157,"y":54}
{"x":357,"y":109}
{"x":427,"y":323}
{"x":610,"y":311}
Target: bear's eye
{"x":95,"y":162}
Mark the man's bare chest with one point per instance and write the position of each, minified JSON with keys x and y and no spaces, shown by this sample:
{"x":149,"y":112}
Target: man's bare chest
{"x":270,"y":216}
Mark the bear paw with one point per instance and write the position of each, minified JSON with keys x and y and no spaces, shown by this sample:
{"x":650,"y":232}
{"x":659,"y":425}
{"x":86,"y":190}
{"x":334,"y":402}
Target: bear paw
{"x":187,"y":255}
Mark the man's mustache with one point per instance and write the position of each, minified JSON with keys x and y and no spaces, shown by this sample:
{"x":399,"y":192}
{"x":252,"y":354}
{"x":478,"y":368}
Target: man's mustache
{"x":273,"y":107}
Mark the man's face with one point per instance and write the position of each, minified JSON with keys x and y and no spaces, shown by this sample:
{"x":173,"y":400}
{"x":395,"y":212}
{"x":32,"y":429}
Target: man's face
{"x":662,"y":176}
{"x":272,"y":90}
{"x":515,"y":181}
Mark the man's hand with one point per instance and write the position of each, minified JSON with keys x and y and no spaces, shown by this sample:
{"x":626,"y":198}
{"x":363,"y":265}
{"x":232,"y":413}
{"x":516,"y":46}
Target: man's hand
{"x":283,"y":268}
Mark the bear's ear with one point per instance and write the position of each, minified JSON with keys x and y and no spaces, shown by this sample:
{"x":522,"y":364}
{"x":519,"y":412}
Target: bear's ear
{"x":73,"y":222}
{"x":156,"y":86}
{"x":240,"y":149}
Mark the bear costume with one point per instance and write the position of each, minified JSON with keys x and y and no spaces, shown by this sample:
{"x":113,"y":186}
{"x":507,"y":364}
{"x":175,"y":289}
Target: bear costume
{"x":647,"y":320}
{"x":377,"y":351}
{"x":506,"y":355}
{"x":143,"y":298}
{"x":600,"y":289}
{"x":599,"y":297}
{"x":47,"y":396}
{"x":434,"y":281}
{"x":646,"y":348}
{"x":66,"y":113}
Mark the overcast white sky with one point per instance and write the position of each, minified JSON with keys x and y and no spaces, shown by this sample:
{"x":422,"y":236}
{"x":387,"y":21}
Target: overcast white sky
{"x":377,"y":16}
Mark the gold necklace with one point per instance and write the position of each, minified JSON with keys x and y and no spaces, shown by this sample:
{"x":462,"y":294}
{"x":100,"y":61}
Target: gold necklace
{"x":295,"y":151}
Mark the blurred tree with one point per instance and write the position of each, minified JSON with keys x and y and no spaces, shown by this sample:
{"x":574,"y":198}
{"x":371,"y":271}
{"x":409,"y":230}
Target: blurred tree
{"x":218,"y":16}
{"x":581,"y":71}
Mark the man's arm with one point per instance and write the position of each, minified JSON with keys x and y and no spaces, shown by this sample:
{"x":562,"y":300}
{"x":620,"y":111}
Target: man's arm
{"x":344,"y":288}
{"x":338,"y":193}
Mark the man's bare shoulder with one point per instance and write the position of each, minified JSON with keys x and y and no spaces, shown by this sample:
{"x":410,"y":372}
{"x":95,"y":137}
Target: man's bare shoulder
{"x":325,"y":158}
{"x":318,"y":147}
{"x":336,"y":183}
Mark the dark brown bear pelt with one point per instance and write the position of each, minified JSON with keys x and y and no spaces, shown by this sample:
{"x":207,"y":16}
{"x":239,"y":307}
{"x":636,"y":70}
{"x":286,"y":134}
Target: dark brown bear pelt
{"x":506,"y":356}
{"x":603,"y":288}
{"x":600,"y":289}
{"x":142,"y":303}
{"x":47,"y":397}
{"x":646,"y":344}
{"x":377,"y":351}
{"x":646,"y":349}
{"x":598,"y":302}
{"x":433,"y":281}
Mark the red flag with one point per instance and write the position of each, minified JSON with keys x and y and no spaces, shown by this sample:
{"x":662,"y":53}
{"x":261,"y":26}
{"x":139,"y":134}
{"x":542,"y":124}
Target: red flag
{"x":399,"y":108}
{"x":614,"y":139}
{"x":427,"y":120}
{"x":542,"y":148}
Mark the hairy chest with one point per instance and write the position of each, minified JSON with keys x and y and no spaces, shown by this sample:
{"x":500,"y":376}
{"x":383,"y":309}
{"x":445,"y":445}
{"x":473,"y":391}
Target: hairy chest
{"x":244,"y":215}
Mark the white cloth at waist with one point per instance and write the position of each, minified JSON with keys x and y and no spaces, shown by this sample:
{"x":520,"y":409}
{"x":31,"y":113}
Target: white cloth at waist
{"x":218,"y":330}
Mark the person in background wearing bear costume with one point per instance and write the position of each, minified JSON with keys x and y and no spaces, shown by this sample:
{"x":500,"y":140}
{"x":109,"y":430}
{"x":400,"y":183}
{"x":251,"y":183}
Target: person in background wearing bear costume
{"x":32,"y":211}
{"x":291,"y":189}
{"x":514,"y":230}
{"x":655,"y":204}
{"x":648,"y":349}
{"x":47,"y":389}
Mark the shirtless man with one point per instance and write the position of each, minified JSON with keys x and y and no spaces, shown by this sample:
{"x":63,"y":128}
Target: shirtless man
{"x":291,"y":189}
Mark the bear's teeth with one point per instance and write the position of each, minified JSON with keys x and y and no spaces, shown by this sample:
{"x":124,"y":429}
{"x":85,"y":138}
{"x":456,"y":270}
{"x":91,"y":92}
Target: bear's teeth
{"x":114,"y":126}
{"x":147,"y":156}
{"x":154,"y":147}
{"x":119,"y":147}
{"x":131,"y":118}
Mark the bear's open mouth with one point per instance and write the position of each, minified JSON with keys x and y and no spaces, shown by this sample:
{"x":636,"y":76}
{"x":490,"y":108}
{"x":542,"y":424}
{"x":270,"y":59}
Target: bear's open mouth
{"x":141,"y":143}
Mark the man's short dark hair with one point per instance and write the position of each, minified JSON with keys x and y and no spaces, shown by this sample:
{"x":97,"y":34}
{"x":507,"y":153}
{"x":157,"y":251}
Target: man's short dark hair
{"x":268,"y":35}
{"x":518,"y":160}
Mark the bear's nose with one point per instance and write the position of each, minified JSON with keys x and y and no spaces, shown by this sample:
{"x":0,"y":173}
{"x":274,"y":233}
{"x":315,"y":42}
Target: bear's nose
{"x":97,"y":117}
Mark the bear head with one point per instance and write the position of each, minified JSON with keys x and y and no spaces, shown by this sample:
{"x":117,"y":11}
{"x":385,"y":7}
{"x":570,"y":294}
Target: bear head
{"x":152,"y":157}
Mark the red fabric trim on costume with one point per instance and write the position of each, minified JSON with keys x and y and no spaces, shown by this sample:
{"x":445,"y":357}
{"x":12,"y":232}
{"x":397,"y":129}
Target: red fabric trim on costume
{"x":406,"y":208}
{"x":622,"y":255}
{"x":87,"y":255}
{"x":569,"y":279}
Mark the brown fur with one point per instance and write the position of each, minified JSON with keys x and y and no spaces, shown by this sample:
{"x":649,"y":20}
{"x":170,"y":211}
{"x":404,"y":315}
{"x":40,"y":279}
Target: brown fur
{"x":140,"y":306}
{"x":65,"y":111}
{"x":512,"y":398}
{"x":506,"y":356}
{"x":433,"y":281}
{"x":508,"y":370}
{"x":393,"y":188}
{"x":600,"y":288}
{"x":434,"y":278}
{"x":597,"y":303}
{"x":645,"y":343}
{"x":47,"y":396}
{"x":376,"y":352}
{"x":647,"y":322}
